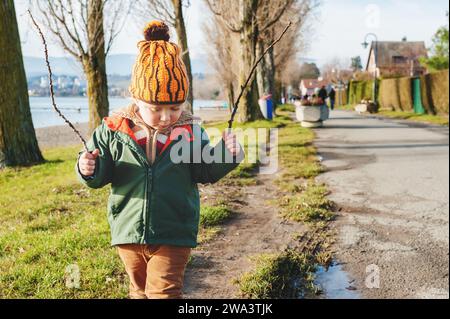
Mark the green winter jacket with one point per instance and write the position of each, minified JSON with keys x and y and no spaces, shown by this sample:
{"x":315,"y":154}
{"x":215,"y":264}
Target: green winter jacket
{"x":159,"y":203}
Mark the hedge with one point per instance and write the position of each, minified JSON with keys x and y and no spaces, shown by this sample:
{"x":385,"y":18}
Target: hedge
{"x":341,"y":95}
{"x":396,"y":94}
{"x":435,"y":96}
{"x":388,"y":96}
{"x":360,"y":90}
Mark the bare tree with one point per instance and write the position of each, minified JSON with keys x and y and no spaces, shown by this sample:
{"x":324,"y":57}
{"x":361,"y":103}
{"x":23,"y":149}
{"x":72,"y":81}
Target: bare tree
{"x":171,"y":12}
{"x":257,"y":22}
{"x":284,"y":57}
{"x":18,"y":143}
{"x":81,"y":30}
{"x":331,"y":69}
{"x":223,"y":46}
{"x":291,"y":76}
{"x":239,"y":17}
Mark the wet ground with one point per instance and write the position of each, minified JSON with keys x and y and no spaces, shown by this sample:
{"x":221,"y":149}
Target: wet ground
{"x":335,"y":283}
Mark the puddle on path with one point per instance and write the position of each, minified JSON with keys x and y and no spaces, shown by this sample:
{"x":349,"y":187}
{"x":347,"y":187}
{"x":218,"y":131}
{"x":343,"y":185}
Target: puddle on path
{"x":335,"y":283}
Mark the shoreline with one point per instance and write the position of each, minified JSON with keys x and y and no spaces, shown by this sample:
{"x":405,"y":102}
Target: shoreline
{"x":63,"y":136}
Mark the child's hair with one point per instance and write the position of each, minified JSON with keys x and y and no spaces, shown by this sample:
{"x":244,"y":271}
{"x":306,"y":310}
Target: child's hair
{"x":159,"y":74}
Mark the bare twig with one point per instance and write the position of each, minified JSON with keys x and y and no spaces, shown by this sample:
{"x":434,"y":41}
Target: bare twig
{"x":236,"y":104}
{"x":50,"y":75}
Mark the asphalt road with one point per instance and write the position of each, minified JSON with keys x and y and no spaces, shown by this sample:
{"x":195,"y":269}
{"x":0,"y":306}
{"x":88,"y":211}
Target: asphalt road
{"x":390,"y":180}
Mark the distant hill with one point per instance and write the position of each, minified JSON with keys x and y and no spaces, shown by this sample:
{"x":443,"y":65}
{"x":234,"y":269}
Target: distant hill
{"x":60,"y":66}
{"x":119,"y":64}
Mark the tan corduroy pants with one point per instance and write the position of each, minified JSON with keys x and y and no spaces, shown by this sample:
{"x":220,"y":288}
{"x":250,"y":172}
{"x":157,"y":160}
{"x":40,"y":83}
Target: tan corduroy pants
{"x":155,"y":271}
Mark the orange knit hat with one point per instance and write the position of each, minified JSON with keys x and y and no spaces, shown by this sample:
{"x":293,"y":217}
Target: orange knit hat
{"x":159,"y":75}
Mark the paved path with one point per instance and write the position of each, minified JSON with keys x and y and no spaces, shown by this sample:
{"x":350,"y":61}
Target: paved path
{"x":390,"y":179}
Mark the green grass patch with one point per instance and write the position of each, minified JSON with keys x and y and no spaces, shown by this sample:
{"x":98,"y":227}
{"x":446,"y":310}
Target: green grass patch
{"x":283,"y":276}
{"x":211,"y":216}
{"x":297,"y":155}
{"x":347,"y":107}
{"x":48,"y":221}
{"x":309,"y":206}
{"x":424,"y":118}
{"x":410,"y":116}
{"x":285,"y":108}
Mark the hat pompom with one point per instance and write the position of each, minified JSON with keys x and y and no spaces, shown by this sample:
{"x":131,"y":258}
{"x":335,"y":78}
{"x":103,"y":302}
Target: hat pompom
{"x":157,"y":31}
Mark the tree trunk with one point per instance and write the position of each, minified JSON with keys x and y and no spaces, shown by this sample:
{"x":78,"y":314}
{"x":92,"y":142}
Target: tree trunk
{"x":230,"y":95}
{"x":271,"y":77}
{"x":262,"y":72}
{"x":278,"y":88}
{"x":248,"y":108}
{"x":271,"y":73}
{"x":18,"y":143}
{"x":94,"y":66}
{"x":97,"y":90}
{"x":183,"y":43}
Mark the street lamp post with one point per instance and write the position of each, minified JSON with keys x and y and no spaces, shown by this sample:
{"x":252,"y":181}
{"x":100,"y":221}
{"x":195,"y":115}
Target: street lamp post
{"x":365,"y":44}
{"x":339,"y":86}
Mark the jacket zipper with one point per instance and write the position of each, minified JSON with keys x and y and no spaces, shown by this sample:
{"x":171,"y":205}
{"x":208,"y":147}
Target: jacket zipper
{"x":138,"y":150}
{"x":149,"y":190}
{"x":149,"y":179}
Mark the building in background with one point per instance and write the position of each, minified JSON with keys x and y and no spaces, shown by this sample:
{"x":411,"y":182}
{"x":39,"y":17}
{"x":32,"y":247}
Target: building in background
{"x":310,"y":86}
{"x":397,"y":58}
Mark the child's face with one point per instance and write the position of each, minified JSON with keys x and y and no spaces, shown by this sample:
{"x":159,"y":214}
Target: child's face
{"x":159,"y":117}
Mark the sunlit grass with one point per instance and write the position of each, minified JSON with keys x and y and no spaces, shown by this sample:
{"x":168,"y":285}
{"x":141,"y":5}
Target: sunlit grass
{"x":278,"y":276}
{"x":424,"y":118}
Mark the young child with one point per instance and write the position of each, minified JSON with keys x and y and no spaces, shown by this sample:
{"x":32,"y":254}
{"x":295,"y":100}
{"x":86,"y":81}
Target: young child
{"x":154,"y":206}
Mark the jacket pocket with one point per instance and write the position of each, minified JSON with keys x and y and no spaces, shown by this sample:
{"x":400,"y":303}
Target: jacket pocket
{"x":113,"y":205}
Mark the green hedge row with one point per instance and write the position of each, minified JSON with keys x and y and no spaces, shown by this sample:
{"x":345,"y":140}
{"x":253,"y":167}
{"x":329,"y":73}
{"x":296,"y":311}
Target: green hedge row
{"x":360,"y":90}
{"x":397,"y":94}
{"x":435,"y":96}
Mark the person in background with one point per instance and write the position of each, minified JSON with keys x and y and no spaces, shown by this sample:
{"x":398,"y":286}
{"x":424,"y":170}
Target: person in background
{"x":323,"y":94}
{"x":332,"y":96}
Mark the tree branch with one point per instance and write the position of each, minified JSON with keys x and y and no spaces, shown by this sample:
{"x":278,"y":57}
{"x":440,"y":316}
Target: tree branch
{"x":52,"y":93}
{"x":236,"y":104}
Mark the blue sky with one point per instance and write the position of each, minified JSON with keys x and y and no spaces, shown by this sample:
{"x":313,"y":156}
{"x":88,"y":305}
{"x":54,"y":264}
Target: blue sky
{"x":337,"y":29}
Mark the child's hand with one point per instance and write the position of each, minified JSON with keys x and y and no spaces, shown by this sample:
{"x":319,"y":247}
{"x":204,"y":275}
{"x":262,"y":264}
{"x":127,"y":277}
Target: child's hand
{"x":86,"y":164}
{"x":231,"y":143}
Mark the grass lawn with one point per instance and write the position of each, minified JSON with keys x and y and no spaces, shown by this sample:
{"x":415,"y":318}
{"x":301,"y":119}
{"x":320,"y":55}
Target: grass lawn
{"x":49,"y":221}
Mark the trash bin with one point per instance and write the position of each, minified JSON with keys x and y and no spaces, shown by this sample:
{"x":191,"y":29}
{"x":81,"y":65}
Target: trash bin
{"x":266,"y":106}
{"x":270,"y":109}
{"x":417,"y":97}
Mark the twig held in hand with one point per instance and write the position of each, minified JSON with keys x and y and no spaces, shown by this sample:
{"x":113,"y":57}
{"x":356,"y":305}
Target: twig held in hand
{"x":236,"y":104}
{"x":52,"y":92}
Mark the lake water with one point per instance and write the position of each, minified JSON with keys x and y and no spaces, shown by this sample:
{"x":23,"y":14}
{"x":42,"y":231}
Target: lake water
{"x":76,"y":109}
